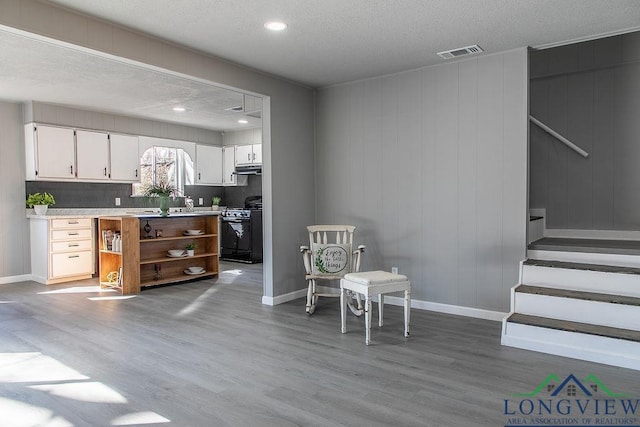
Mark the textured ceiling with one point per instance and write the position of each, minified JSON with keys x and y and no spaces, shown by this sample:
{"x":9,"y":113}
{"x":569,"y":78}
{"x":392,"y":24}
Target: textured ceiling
{"x":327,"y":42}
{"x":334,"y":41}
{"x":33,"y":70}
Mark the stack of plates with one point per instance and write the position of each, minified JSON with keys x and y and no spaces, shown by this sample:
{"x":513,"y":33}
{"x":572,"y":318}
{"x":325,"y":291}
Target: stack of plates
{"x":176,"y":253}
{"x":194,"y":271}
{"x":193,"y":232}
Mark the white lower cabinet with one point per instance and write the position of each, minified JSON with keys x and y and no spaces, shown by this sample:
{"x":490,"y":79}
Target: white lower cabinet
{"x":62,"y":249}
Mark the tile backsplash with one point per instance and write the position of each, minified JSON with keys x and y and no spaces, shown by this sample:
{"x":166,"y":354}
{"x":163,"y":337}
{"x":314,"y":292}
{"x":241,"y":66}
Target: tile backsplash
{"x":103,"y":195}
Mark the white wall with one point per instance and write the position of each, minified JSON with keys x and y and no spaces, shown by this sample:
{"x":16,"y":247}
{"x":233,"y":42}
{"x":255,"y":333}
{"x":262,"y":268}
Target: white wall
{"x":14,"y":231}
{"x":289,"y":123}
{"x":431,"y":166}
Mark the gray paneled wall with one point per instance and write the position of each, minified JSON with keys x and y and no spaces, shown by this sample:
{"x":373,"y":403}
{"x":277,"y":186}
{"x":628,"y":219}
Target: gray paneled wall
{"x":431,"y":166}
{"x":14,"y":230}
{"x":590,"y":93}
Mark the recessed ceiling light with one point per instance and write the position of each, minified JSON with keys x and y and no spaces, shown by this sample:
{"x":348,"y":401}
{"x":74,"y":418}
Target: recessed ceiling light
{"x":243,"y":121}
{"x":179,"y":109}
{"x":275,"y":25}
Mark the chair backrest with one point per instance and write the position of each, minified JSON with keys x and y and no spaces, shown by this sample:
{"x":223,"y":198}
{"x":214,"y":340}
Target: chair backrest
{"x":340,"y":234}
{"x":332,"y":249}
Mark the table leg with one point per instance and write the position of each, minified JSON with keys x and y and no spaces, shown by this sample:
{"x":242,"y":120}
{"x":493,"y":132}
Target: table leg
{"x":380,"y":309}
{"x":407,"y":312}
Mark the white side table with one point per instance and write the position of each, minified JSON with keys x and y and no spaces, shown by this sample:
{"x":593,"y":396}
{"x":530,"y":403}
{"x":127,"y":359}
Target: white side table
{"x":370,"y":283}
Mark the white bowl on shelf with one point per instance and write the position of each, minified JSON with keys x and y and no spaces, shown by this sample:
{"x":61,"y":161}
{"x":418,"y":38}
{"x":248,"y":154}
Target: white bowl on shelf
{"x":196,"y":269}
{"x":194,"y":232}
{"x":176,"y":252}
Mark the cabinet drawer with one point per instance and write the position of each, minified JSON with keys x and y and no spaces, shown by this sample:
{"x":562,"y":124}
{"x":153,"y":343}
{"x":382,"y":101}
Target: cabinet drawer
{"x":71,"y":263}
{"x":84,"y":233}
{"x":78,"y":245}
{"x":70,"y":223}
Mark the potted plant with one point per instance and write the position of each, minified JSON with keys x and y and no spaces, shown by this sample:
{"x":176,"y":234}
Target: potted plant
{"x":215,"y":203}
{"x":191,"y":247}
{"x":163,"y":190}
{"x":40,"y":202}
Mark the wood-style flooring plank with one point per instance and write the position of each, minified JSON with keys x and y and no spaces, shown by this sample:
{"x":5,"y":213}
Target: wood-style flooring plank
{"x":208,"y":353}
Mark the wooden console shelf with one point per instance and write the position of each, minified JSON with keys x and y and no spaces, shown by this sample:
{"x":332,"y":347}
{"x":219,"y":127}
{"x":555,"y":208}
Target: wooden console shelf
{"x":145,"y":259}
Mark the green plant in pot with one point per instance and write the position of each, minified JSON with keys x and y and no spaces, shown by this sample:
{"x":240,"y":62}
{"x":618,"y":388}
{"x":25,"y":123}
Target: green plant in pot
{"x":40,"y":202}
{"x":215,"y":203}
{"x":163,"y":190}
{"x":191,"y":247}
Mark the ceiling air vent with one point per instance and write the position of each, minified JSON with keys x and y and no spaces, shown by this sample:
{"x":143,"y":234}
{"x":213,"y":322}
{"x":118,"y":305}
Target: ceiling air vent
{"x":455,"y":53}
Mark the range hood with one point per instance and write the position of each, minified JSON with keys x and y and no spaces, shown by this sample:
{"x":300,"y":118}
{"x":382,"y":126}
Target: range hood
{"x":248,"y":170}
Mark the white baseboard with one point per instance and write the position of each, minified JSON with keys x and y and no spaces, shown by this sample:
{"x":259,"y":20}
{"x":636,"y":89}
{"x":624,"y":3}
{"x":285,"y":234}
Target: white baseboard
{"x":417,"y":304}
{"x":449,"y":309}
{"x":14,"y":279}
{"x":593,"y":234}
{"x":281,"y":299}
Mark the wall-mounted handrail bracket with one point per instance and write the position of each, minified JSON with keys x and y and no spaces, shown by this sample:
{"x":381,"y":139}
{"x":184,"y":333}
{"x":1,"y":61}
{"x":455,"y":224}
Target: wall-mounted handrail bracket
{"x":559,"y":137}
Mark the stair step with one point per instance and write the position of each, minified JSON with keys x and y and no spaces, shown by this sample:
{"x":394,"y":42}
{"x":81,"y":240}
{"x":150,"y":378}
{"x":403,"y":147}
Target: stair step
{"x":583,"y":328}
{"x":582,"y":266}
{"x":581,"y":295}
{"x":620,"y":247}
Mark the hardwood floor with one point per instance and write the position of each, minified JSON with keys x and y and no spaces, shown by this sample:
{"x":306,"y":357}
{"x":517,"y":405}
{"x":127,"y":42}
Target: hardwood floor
{"x":208,"y":353}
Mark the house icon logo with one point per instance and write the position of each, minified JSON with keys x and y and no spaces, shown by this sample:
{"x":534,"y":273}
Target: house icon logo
{"x":571,"y":386}
{"x":571,"y":400}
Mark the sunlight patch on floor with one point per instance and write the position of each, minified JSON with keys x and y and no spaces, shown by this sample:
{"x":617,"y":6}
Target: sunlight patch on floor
{"x":19,"y":414}
{"x":235,"y":272}
{"x":116,"y":297}
{"x":7,"y":302}
{"x":198,"y":302}
{"x":34,"y":367}
{"x":60,"y":382}
{"x":138,"y":418}
{"x":84,"y":391}
{"x":77,"y":290}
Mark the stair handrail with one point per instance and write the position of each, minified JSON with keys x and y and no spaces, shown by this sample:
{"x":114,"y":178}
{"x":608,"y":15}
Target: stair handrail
{"x":559,"y":137}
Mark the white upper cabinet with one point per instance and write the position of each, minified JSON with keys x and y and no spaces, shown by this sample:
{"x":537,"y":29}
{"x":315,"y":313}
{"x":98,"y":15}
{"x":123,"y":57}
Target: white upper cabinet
{"x":229,"y":178}
{"x":249,"y":154}
{"x":257,"y":153}
{"x":244,"y":154}
{"x":209,"y":165}
{"x":92,"y":153}
{"x":228,"y":166}
{"x":124,"y":158}
{"x":50,"y":152}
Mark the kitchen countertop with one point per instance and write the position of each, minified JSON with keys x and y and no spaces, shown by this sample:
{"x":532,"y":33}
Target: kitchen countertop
{"x":97,"y":212}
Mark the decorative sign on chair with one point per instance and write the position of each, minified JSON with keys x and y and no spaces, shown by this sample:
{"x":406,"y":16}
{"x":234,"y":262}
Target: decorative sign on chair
{"x":331,"y":259}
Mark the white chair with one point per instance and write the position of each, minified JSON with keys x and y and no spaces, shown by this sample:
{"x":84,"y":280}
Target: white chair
{"x":329,"y":256}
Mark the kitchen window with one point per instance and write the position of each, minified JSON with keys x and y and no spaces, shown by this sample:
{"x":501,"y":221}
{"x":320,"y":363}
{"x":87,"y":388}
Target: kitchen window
{"x":164,"y":164}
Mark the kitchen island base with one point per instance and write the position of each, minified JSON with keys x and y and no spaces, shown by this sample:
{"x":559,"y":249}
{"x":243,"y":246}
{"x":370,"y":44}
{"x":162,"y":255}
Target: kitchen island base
{"x":160,"y":251}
